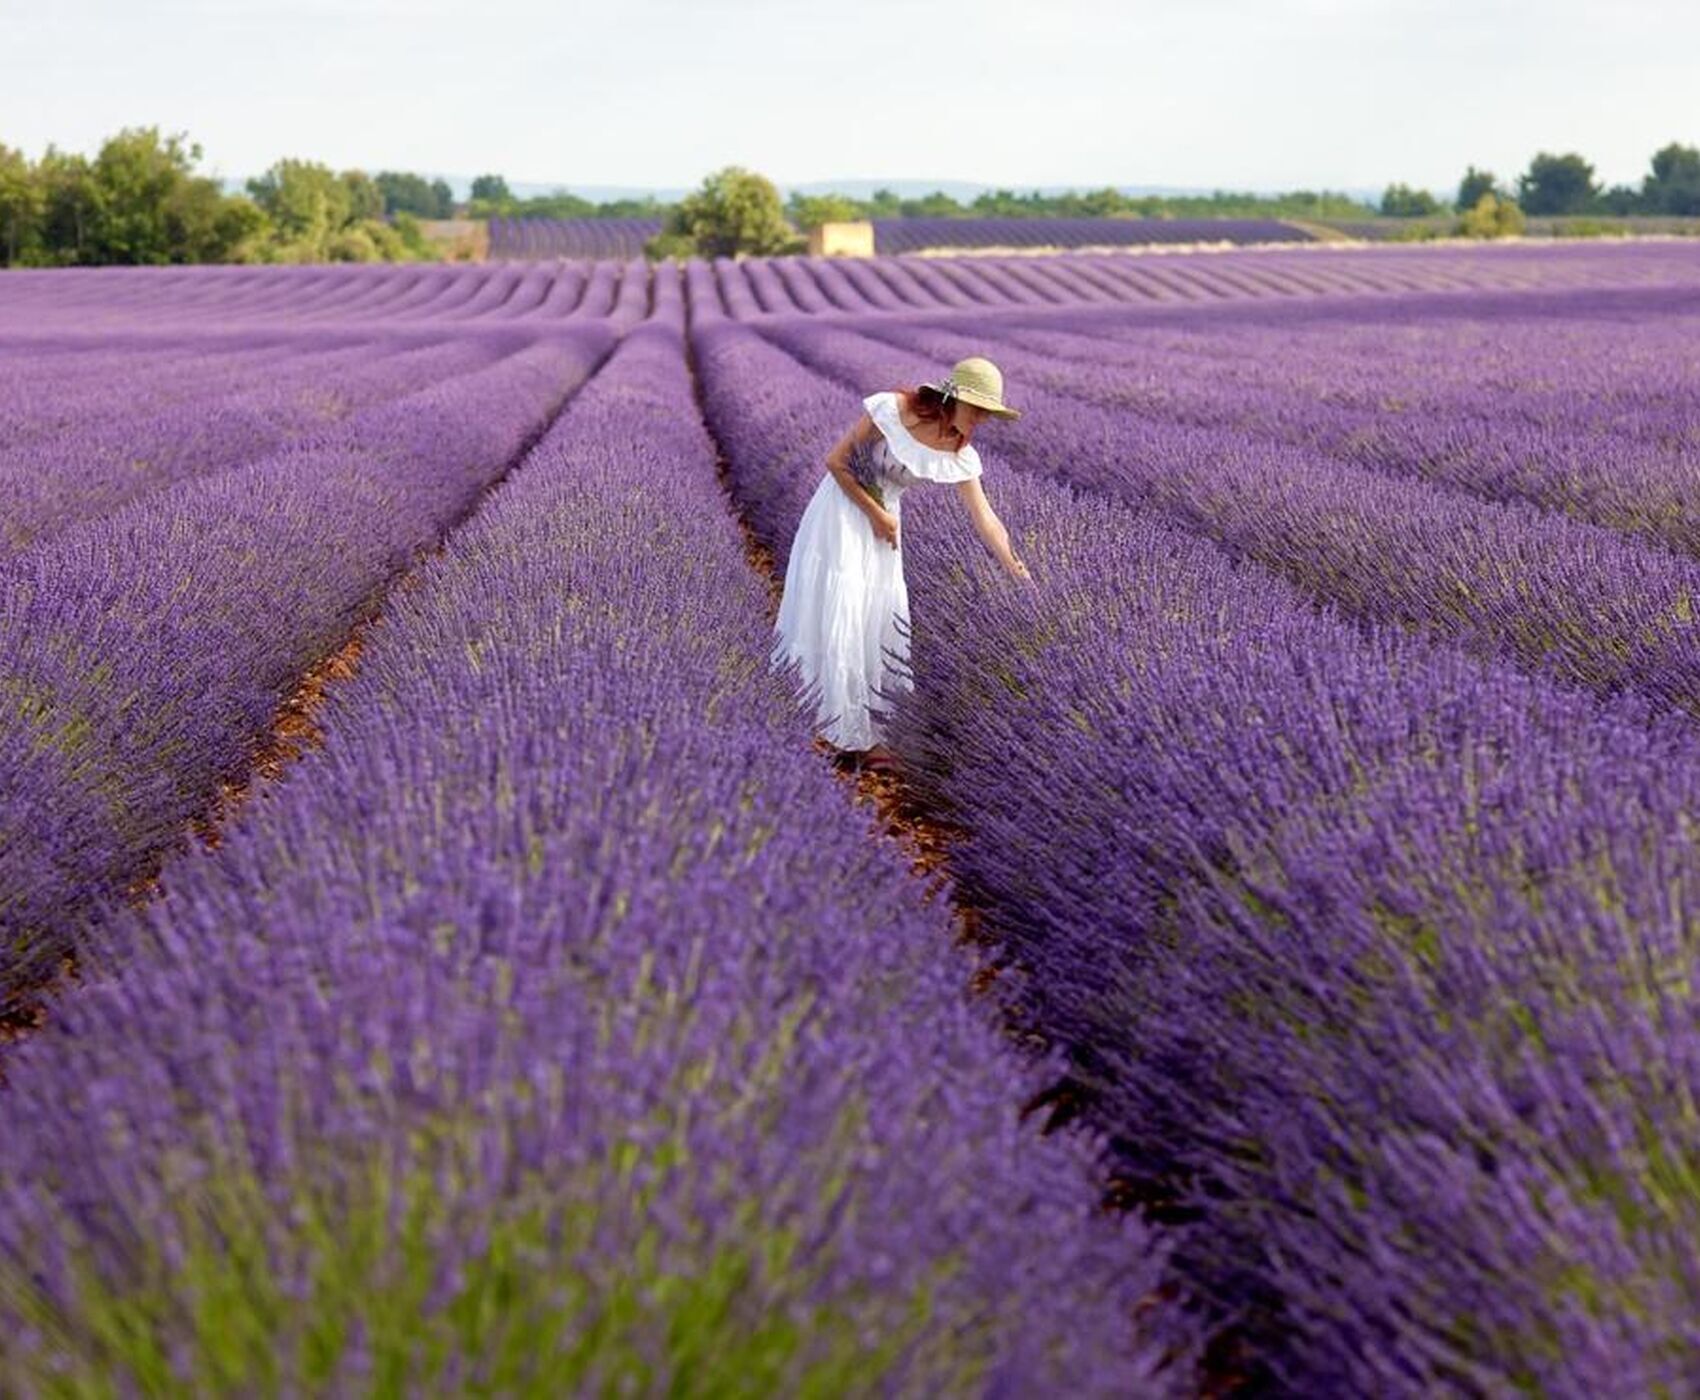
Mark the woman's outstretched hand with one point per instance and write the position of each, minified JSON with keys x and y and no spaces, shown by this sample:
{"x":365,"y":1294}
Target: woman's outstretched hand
{"x":885,"y":526}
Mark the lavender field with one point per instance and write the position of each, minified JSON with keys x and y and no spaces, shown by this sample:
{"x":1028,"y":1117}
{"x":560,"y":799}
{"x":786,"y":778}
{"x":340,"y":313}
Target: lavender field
{"x":530,"y":238}
{"x":1323,"y":813}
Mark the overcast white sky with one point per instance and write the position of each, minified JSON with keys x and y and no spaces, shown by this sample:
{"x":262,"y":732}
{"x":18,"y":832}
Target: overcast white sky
{"x":1235,"y":94}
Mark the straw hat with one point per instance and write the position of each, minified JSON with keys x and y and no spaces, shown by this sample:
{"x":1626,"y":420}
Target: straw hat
{"x":978,"y":381}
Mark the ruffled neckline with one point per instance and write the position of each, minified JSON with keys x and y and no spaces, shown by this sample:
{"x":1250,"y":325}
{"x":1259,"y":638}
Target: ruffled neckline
{"x":933,"y":463}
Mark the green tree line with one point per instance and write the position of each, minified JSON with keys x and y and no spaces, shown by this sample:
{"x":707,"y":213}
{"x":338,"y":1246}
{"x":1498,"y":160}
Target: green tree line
{"x":1565,"y":184}
{"x":808,"y":211}
{"x":140,"y":200}
{"x":491,"y":198}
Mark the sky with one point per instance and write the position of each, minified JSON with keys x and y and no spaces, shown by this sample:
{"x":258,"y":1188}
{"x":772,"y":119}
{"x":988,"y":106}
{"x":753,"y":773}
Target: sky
{"x":1228,"y":94}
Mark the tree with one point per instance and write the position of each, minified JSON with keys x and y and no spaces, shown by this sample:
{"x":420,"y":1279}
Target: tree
{"x":406,"y":240}
{"x":1101,"y":204}
{"x":560,"y":205}
{"x":813,"y":210}
{"x":493,"y":188}
{"x":1674,"y":185}
{"x":203,"y":224}
{"x":937,"y":205}
{"x":307,"y":205}
{"x":365,"y":199}
{"x":884,"y":204}
{"x":1491,"y":217}
{"x":149,"y":206}
{"x":1002,"y":204}
{"x":22,"y":203}
{"x":70,"y":207}
{"x":646,"y":207}
{"x":1403,"y":202}
{"x":133,"y":179}
{"x":414,"y":195}
{"x":1623,"y":199}
{"x":1557,"y":185}
{"x":318,"y":216}
{"x":735,"y":211}
{"x":139,"y":201}
{"x":1473,"y":186}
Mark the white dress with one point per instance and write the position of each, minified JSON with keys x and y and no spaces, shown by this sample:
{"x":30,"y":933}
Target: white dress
{"x":845,"y":603}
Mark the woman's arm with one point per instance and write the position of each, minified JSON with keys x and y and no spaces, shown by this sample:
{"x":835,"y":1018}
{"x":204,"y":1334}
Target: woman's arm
{"x":990,"y":529}
{"x":838,"y":464}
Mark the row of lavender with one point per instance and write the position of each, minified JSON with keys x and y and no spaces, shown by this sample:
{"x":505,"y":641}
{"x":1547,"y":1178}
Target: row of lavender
{"x":161,"y":608}
{"x":321,"y":299}
{"x":1372,"y":956}
{"x":557,"y":1026}
{"x":420,"y":298}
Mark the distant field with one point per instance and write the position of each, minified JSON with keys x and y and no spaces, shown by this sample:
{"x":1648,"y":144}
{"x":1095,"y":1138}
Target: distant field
{"x":532,"y":239}
{"x":602,"y":238}
{"x":913,"y":235}
{"x":1302,"y":973}
{"x":539,"y":239}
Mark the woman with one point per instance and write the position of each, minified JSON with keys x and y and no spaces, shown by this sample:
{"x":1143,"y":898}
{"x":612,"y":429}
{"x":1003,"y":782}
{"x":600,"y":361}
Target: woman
{"x":845,"y":602}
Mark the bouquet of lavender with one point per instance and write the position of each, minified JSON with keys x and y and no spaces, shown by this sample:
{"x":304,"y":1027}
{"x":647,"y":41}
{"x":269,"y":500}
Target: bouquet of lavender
{"x":864,"y":466}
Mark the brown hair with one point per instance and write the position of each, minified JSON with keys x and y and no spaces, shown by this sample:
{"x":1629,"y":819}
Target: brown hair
{"x":930,"y":406}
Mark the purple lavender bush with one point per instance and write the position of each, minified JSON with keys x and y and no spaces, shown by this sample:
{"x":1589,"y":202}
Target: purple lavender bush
{"x":157,"y":308}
